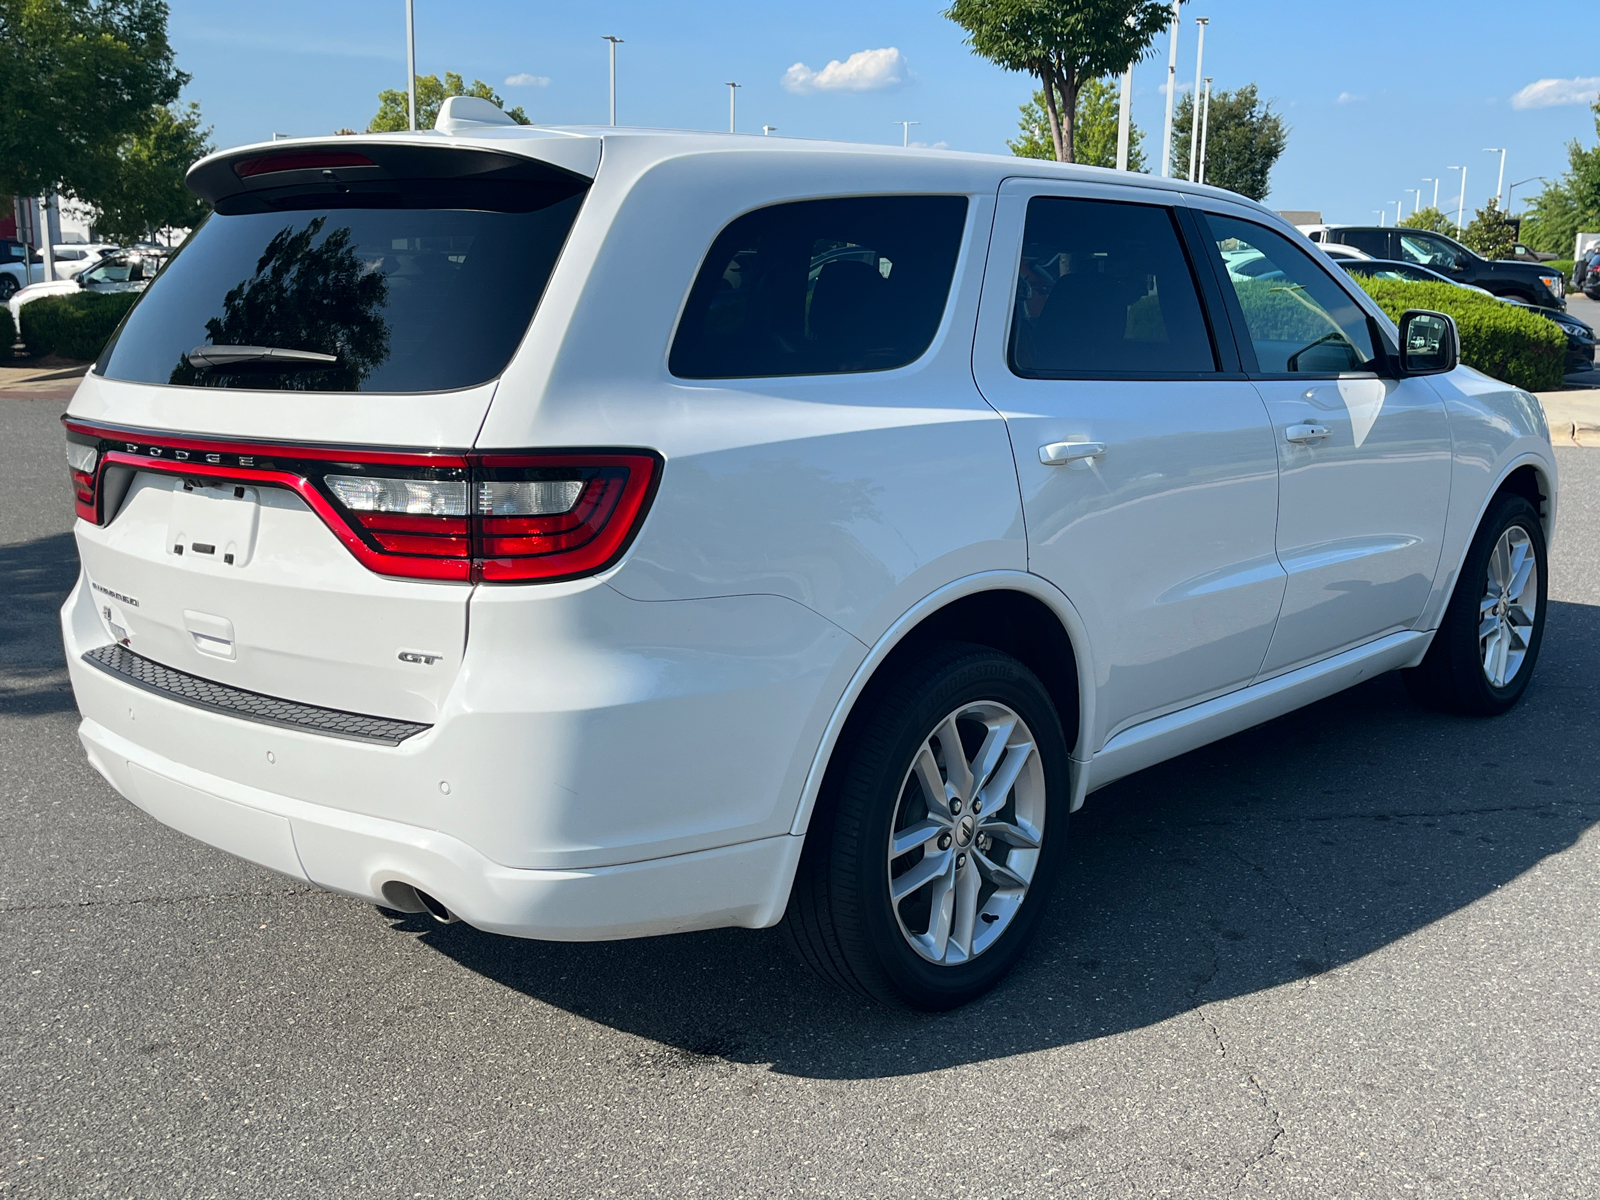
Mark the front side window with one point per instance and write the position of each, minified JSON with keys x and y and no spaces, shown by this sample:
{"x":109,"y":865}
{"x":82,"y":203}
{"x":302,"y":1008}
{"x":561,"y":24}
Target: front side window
{"x":1105,"y":289}
{"x":1300,"y":321}
{"x":428,"y":286}
{"x":821,"y":287}
{"x":1430,"y":251}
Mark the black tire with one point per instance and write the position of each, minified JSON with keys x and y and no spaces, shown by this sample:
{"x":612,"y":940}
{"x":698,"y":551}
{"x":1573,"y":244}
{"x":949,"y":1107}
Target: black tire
{"x":8,"y":287}
{"x":1452,"y":676}
{"x":840,"y":918}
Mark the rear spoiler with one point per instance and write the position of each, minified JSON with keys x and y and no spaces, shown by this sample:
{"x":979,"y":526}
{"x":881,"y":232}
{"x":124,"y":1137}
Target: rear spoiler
{"x":346,"y":163}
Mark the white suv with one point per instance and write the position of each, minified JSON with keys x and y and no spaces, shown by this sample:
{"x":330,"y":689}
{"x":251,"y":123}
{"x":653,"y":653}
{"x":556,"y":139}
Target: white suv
{"x":592,"y":533}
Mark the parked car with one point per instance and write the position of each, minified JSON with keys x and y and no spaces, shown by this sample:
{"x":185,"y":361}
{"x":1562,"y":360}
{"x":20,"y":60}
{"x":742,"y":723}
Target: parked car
{"x":74,"y":257}
{"x":1336,"y":252}
{"x":1405,"y":272}
{"x":18,"y":267}
{"x":1589,"y":276}
{"x":652,"y":580}
{"x":1580,"y":335}
{"x":1526,"y":281}
{"x":1521,"y":253}
{"x":117,"y":271}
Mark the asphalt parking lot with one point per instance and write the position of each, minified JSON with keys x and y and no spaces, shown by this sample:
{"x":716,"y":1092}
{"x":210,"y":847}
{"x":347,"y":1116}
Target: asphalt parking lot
{"x":1351,"y":953}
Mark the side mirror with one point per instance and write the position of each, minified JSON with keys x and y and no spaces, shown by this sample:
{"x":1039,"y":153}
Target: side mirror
{"x":1429,"y":343}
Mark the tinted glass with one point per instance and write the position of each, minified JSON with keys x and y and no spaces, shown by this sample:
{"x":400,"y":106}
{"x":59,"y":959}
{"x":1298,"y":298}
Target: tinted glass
{"x":1369,"y":241}
{"x":408,"y":298}
{"x":1104,"y":289}
{"x":1299,"y":319}
{"x":821,"y":287}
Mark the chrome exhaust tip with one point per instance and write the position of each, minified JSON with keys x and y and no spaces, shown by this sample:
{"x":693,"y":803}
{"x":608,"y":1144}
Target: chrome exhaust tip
{"x":435,"y":909}
{"x":403,"y":897}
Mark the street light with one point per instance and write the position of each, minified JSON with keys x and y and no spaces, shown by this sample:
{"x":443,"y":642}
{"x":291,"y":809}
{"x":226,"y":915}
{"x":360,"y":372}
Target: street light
{"x":733,"y":92}
{"x":1172,"y":91}
{"x":1501,"y":182}
{"x":615,"y":42}
{"x":411,"y":68}
{"x":1461,"y":206}
{"x":1125,"y":118}
{"x":1194,"y":114}
{"x":1205,"y":128}
{"x":1435,"y":183}
{"x":1417,"y":203}
{"x":1512,"y":189}
{"x":906,"y":140}
{"x":1397,"y":210}
{"x":768,"y":130}
{"x":1383,"y":214}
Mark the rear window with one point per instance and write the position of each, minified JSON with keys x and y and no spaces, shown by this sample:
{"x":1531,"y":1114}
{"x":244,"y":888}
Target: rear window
{"x":426,"y":286}
{"x":821,"y":287}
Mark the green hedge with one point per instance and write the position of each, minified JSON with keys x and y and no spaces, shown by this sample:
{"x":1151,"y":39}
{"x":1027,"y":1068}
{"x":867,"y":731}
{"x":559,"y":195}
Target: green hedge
{"x":76,"y":325}
{"x":8,"y":332}
{"x":1564,"y":265}
{"x":1499,"y":339}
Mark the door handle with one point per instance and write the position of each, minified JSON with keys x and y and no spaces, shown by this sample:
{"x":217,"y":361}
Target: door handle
{"x":1059,"y":454}
{"x":1301,"y":434}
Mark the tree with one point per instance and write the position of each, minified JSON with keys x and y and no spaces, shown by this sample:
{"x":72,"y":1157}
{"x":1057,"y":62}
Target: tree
{"x":305,"y":294}
{"x":1569,"y":205}
{"x":145,"y":190}
{"x":1094,"y":129}
{"x":1431,"y":219}
{"x":77,"y":76}
{"x":1064,"y":43}
{"x":431,"y":94}
{"x":1490,"y":232}
{"x":1244,"y":139}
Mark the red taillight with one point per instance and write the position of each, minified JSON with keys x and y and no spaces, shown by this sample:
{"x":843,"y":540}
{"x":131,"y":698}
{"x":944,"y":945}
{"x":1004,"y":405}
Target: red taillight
{"x":495,"y":518}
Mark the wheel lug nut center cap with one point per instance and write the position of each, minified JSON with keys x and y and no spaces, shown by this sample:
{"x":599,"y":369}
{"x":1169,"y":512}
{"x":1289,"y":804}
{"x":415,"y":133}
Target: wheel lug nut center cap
{"x":965,"y":828}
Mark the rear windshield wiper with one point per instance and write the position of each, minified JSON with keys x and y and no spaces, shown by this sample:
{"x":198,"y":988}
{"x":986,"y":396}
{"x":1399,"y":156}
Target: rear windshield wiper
{"x":221,"y":358}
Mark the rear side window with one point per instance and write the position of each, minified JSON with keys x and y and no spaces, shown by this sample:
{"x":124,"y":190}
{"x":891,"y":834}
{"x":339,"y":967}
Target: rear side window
{"x":821,"y":287}
{"x":1105,"y":289}
{"x":427,"y":286}
{"x":1369,"y":241}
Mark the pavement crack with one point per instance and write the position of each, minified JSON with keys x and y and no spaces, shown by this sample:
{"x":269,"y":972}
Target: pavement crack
{"x":1270,"y":1147}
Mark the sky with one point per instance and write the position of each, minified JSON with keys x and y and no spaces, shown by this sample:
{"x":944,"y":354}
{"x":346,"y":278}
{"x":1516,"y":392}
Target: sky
{"x":1378,"y":97}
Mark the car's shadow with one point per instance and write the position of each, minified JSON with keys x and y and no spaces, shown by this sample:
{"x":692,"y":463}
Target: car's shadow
{"x":1276,"y":855}
{"x":35,"y":578}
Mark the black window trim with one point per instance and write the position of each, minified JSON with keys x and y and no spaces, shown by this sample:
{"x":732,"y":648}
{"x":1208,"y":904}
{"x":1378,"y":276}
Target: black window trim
{"x":1223,"y":352}
{"x":1383,"y":363}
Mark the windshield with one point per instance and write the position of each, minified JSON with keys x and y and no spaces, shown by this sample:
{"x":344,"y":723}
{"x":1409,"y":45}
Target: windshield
{"x":412,"y":296}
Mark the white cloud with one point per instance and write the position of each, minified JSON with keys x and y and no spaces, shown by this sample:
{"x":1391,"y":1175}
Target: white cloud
{"x":1349,"y":98}
{"x":930,"y":145}
{"x":1548,"y":93}
{"x":1183,"y":87}
{"x":863,"y":71}
{"x":523,"y":79}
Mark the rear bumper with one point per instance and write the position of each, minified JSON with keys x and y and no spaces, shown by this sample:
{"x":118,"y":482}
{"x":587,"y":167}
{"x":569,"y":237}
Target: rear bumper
{"x":355,"y":854}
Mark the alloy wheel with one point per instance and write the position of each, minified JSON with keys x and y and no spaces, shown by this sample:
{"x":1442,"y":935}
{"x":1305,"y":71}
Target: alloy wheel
{"x":965,"y":839}
{"x":1508,"y":608}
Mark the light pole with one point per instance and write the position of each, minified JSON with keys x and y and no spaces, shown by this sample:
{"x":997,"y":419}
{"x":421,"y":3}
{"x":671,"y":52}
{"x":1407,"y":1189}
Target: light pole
{"x":1383,"y":214}
{"x":1194,"y":114}
{"x":1417,"y":203}
{"x":1435,"y":183}
{"x":411,"y":68}
{"x":615,"y":42}
{"x":906,"y":140}
{"x":1125,"y":119}
{"x":733,"y":92}
{"x":768,"y":130}
{"x":1512,"y":189}
{"x":1205,"y":128}
{"x":1461,"y":206}
{"x":1501,"y":182}
{"x":1398,"y":211}
{"x":1172,"y":91}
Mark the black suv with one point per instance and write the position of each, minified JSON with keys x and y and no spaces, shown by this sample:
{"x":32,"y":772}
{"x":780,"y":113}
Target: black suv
{"x":1534,"y":283}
